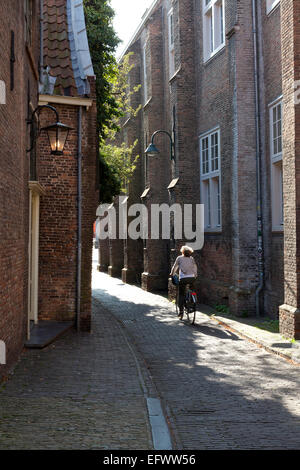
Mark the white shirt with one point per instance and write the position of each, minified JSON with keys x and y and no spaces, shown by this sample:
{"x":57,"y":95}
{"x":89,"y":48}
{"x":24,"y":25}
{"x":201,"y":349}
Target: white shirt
{"x":186,"y":265}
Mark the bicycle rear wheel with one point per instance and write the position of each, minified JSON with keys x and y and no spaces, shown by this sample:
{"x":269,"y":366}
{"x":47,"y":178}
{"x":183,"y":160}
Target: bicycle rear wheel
{"x":191,"y":308}
{"x":177,"y":301}
{"x":191,"y":313}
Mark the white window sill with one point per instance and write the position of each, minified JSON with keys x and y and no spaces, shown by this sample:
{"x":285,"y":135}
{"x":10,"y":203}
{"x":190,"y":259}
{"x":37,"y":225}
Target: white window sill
{"x":211,"y":174}
{"x":147,"y":102}
{"x":126,"y":122}
{"x":213,"y":54}
{"x":271,"y":10}
{"x":213,"y":230}
{"x":175,"y":74}
{"x":276,"y":158}
{"x":277,"y":229}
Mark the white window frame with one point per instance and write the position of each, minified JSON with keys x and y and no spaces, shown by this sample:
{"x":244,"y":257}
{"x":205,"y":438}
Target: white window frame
{"x":171,"y":42}
{"x":213,"y":27}
{"x":210,"y":180}
{"x":2,"y":92}
{"x":276,"y":166}
{"x":145,"y":73}
{"x":270,"y":5}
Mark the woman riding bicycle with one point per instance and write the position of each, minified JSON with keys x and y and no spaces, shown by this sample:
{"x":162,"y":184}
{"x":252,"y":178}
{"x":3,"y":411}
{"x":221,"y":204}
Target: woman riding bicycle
{"x":187,"y":273}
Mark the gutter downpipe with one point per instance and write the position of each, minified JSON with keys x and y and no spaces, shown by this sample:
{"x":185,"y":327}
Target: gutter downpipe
{"x":258,"y":166}
{"x":79,"y":216}
{"x":41,"y":38}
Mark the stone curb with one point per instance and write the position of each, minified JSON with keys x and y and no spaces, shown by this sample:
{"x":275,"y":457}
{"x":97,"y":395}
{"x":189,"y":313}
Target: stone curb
{"x":162,"y":435}
{"x":271,"y":342}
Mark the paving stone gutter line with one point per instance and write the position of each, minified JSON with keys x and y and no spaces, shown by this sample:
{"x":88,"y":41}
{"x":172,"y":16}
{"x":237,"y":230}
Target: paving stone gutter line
{"x":161,"y":433}
{"x":272,"y":342}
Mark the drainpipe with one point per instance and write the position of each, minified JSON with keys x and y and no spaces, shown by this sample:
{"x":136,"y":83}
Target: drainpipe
{"x":41,"y":38}
{"x":79,"y":213}
{"x":258,"y":166}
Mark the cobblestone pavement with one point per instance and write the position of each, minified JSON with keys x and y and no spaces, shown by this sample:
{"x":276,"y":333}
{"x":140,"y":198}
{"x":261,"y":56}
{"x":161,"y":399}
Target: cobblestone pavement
{"x":88,"y":391}
{"x":219,"y":390}
{"x":85,"y":391}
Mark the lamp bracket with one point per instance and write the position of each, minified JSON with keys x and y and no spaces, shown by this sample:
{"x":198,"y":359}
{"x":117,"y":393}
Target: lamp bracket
{"x":31,"y":121}
{"x":172,"y":145}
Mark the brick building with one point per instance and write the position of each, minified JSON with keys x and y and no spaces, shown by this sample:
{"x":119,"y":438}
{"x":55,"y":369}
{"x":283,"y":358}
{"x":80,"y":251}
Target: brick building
{"x":47,"y":204}
{"x":218,"y":76}
{"x":67,"y":209}
{"x":19,"y":76}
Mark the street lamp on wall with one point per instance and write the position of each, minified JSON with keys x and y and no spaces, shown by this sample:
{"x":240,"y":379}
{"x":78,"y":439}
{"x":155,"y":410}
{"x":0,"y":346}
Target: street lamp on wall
{"x":152,"y":150}
{"x":57,"y":132}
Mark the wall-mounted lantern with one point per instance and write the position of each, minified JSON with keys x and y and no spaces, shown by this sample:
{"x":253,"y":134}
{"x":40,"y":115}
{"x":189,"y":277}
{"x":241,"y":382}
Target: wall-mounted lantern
{"x":152,"y":150}
{"x":57,"y":132}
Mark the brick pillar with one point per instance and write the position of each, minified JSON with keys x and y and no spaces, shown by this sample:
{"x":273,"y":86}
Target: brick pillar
{"x":289,"y":312}
{"x":155,"y":275}
{"x":116,"y":248}
{"x":184,"y":171}
{"x":133,"y":261}
{"x":103,"y":255}
{"x":133,"y":249}
{"x":244,"y":217}
{"x":115,"y":258}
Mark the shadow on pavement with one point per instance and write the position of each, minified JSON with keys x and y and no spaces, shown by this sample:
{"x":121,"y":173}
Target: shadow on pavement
{"x":220,"y":394}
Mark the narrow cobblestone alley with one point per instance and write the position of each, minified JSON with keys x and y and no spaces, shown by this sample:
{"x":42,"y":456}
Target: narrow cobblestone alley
{"x":88,"y":391}
{"x":219,"y":391}
{"x":82,"y":392}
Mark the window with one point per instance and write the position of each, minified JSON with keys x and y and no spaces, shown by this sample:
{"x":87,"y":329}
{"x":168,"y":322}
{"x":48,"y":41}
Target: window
{"x":271,"y":4}
{"x":28,"y":5}
{"x":171,"y":43}
{"x":210,"y":179}
{"x":146,"y":159}
{"x":2,"y":92}
{"x":174,"y":166}
{"x":276,"y":165}
{"x":213,"y":27}
{"x":145,"y":73}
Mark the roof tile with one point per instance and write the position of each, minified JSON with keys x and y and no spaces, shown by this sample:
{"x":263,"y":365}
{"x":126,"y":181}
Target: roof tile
{"x":57,"y":53}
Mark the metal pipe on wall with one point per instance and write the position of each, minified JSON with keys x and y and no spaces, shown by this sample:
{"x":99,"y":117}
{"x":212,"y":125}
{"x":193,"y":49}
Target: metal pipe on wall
{"x":79,"y":217}
{"x":41,"y":38}
{"x":260,"y":249}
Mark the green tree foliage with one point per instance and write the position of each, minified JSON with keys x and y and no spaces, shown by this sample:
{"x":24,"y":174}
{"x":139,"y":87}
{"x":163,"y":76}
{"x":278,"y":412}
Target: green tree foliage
{"x":103,"y":42}
{"x":116,"y":161}
{"x":121,"y":163}
{"x":109,"y":182}
{"x":123,"y":95}
{"x":120,"y":157}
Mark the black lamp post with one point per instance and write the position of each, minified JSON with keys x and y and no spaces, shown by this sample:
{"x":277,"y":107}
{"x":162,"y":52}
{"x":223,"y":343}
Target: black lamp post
{"x":152,"y":150}
{"x":57,"y":132}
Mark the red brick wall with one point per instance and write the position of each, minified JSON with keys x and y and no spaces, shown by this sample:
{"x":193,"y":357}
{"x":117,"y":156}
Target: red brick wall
{"x":271,"y":89}
{"x":219,"y":92}
{"x":90,"y":201}
{"x":214,"y":102}
{"x":58,"y":221}
{"x":156,"y":251}
{"x":14,"y":176}
{"x":290,"y":42}
{"x":133,"y":250}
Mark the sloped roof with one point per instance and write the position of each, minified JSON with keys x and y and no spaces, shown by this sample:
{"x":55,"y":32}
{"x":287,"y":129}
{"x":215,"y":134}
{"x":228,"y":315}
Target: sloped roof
{"x":65,"y":46}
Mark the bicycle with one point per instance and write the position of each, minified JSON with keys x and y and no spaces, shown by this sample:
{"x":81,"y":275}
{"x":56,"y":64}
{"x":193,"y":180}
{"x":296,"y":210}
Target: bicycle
{"x":189,"y":304}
